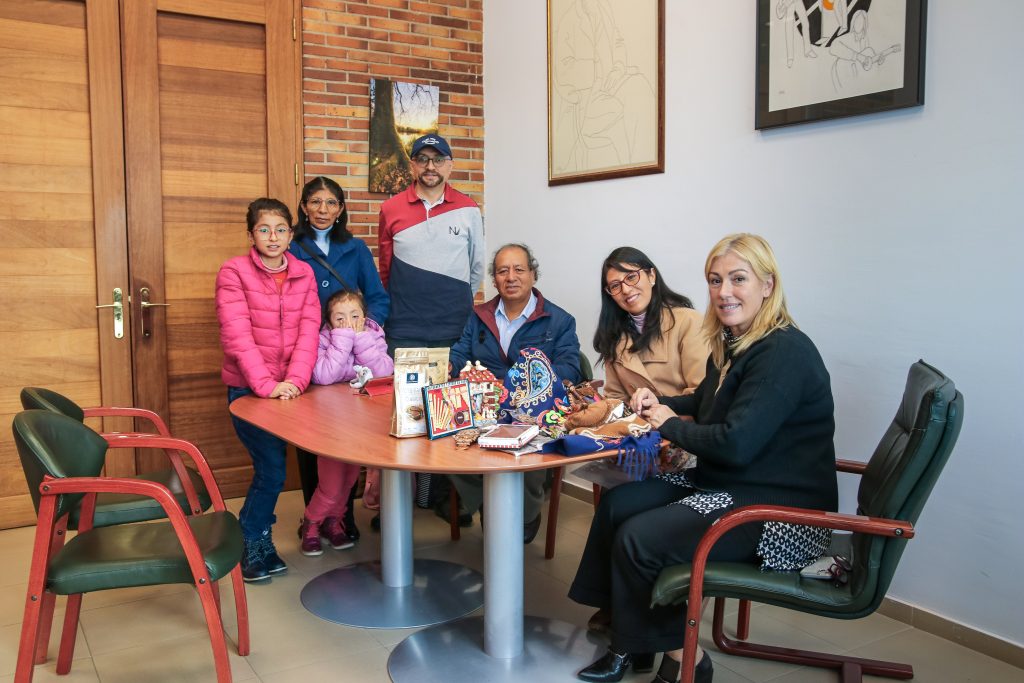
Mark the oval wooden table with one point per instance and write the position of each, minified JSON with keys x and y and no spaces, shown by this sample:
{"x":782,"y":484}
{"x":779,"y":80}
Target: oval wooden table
{"x":333,"y":422}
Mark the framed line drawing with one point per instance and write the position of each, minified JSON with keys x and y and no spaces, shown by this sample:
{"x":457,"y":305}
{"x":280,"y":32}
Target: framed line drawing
{"x":826,"y":59}
{"x":449,"y":408}
{"x":606,"y":89}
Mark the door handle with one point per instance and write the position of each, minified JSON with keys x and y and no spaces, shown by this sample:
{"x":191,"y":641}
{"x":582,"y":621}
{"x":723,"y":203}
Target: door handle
{"x":118,"y":307}
{"x":145,"y":305}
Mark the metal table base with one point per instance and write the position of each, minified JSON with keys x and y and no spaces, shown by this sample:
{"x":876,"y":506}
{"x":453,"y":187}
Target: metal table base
{"x":453,"y":652}
{"x":396,"y":592}
{"x":355,"y":595}
{"x":503,"y":645}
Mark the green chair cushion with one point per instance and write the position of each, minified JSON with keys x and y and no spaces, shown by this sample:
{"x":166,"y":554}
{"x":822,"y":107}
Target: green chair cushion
{"x":120,"y":508}
{"x":143,"y":555}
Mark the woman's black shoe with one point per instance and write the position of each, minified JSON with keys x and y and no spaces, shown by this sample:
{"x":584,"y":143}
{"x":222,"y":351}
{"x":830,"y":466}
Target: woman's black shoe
{"x":613,"y":666}
{"x":668,"y":672}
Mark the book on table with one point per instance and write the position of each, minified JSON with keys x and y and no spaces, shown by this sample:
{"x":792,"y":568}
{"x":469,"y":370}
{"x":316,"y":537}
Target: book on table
{"x":511,"y":436}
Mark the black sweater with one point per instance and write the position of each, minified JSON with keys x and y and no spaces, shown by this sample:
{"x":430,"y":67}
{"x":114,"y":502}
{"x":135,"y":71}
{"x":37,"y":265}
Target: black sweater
{"x":766,"y":435}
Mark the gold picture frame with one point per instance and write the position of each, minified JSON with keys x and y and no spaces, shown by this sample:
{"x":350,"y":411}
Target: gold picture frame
{"x":606,"y":89}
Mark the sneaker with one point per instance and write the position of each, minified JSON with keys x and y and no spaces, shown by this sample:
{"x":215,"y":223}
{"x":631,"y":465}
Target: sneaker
{"x":309,"y":532}
{"x":334,"y":533}
{"x":272,"y":561}
{"x":254,"y":567}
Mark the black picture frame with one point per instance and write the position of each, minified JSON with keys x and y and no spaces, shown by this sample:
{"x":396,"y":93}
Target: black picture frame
{"x":911,"y":94}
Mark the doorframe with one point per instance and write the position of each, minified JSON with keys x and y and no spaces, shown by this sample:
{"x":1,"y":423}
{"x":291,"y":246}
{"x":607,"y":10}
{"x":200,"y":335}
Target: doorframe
{"x":109,"y":218}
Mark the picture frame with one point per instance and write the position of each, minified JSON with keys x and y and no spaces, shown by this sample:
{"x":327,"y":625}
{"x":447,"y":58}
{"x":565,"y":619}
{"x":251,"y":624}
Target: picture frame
{"x":606,"y":89}
{"x":448,"y":408}
{"x":828,"y":59}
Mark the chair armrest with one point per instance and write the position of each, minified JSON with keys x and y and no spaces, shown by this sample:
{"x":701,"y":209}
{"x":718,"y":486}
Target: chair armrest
{"x":92,"y":485}
{"x":172,"y":447}
{"x":140,"y":413}
{"x":851,"y":466}
{"x":770,"y":513}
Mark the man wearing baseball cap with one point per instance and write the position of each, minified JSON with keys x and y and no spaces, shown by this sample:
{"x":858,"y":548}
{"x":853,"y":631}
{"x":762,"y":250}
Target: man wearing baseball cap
{"x":431,"y":252}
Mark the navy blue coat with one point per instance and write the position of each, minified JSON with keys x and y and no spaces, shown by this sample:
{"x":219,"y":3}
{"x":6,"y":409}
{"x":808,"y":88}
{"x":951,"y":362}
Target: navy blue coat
{"x":353,"y":261}
{"x":549,"y":329}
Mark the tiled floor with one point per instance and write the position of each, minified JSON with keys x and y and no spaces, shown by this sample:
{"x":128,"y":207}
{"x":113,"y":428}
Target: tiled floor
{"x":153,"y":635}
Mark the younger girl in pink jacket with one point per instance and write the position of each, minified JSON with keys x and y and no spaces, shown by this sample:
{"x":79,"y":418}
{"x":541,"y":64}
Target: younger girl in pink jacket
{"x":348,"y":339}
{"x":269,"y":313}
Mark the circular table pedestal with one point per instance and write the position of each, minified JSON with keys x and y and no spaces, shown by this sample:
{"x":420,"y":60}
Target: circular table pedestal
{"x":355,"y":596}
{"x":454,"y":652}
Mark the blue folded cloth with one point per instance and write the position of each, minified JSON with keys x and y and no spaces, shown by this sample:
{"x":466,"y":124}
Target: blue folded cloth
{"x":638,"y":455}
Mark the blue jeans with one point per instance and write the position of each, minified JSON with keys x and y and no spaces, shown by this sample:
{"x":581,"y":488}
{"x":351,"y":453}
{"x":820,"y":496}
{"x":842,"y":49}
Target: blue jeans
{"x":268,"y":464}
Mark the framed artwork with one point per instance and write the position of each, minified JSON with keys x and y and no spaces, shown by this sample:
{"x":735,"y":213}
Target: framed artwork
{"x":606,"y":87}
{"x":825,"y":59}
{"x":449,"y":408}
{"x":399,"y":113}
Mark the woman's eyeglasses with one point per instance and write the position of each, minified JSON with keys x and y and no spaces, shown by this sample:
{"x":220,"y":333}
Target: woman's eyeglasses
{"x":615,"y":286}
{"x":840,"y":570}
{"x":331,"y":204}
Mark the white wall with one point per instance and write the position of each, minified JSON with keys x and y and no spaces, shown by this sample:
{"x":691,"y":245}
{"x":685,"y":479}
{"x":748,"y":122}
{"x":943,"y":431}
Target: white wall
{"x":899,"y":237}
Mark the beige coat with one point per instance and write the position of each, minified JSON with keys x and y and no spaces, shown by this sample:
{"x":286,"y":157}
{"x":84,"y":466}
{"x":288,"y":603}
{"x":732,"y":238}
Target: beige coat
{"x":672,"y":366}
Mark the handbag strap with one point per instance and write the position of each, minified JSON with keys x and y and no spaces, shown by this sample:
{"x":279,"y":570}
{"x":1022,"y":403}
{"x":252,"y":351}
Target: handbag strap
{"x":323,"y":262}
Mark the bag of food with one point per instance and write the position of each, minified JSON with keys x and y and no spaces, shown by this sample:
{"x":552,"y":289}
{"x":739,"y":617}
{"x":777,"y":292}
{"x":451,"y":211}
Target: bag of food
{"x":411,"y":375}
{"x":437,"y":364}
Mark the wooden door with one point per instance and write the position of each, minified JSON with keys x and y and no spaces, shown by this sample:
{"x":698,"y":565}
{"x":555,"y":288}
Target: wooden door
{"x":62,"y":217}
{"x":212,"y":121}
{"x":99,"y":193}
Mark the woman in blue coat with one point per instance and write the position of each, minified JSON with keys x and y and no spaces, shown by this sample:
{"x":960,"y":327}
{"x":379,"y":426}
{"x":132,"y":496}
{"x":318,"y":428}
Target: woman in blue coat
{"x":339,"y":261}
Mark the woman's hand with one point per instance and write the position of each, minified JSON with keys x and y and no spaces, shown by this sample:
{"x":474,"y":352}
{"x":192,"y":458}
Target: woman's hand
{"x":285,"y":390}
{"x":657,"y":415}
{"x":642,"y":399}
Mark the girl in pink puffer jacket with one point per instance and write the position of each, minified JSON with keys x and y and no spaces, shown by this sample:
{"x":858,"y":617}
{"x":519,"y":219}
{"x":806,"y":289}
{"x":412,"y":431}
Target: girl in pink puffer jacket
{"x":348,"y":340}
{"x":269,"y":314}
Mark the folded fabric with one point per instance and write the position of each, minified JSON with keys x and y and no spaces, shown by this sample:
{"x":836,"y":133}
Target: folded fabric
{"x":638,"y":455}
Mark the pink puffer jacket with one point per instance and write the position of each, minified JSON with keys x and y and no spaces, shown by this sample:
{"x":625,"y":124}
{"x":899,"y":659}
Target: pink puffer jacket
{"x":341,"y":348}
{"x":268,"y":337}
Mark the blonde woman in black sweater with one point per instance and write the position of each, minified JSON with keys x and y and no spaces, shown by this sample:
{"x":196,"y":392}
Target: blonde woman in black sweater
{"x":761,"y":424}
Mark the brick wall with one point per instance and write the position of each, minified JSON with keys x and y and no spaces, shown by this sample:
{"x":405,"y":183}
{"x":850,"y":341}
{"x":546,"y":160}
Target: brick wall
{"x":345,"y":44}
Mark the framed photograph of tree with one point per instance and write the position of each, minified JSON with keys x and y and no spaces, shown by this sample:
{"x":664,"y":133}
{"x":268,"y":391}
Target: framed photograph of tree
{"x":825,"y":59}
{"x":606,"y":86}
{"x":399,"y":113}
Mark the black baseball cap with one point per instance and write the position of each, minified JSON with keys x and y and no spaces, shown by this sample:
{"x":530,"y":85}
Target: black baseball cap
{"x":431,"y":140}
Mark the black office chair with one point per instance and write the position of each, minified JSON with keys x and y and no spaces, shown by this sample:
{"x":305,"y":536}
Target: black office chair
{"x":895,"y":484}
{"x":62,"y":460}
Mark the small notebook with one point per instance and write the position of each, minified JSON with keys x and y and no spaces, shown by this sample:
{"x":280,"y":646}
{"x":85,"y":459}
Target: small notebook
{"x":508,"y":436}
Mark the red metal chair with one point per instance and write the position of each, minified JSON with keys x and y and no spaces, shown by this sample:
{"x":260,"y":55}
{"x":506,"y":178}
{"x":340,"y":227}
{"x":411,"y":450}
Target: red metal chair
{"x":62,"y":460}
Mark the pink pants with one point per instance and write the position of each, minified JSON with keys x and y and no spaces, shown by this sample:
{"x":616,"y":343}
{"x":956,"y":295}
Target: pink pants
{"x":331,"y":496}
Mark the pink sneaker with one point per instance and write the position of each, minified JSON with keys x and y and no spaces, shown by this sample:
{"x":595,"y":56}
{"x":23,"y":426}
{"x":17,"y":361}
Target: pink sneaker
{"x":332,"y":531}
{"x":309,"y":532}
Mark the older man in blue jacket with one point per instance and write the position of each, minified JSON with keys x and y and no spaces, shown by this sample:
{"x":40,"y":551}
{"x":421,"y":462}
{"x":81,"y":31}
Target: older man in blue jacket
{"x":519,"y":317}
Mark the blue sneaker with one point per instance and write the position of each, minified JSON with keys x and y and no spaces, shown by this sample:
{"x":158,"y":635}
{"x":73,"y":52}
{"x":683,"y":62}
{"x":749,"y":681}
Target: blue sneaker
{"x":254,"y":567}
{"x":271,"y":560}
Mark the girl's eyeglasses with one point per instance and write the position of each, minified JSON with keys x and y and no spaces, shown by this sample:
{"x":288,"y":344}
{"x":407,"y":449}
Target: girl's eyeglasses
{"x":265,"y":231}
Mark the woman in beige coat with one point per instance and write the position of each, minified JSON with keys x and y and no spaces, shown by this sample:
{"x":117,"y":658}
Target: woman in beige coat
{"x":648,"y":336}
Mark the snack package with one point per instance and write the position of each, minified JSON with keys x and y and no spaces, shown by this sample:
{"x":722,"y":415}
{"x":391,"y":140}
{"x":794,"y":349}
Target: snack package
{"x":411,"y":375}
{"x":437,"y":364}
